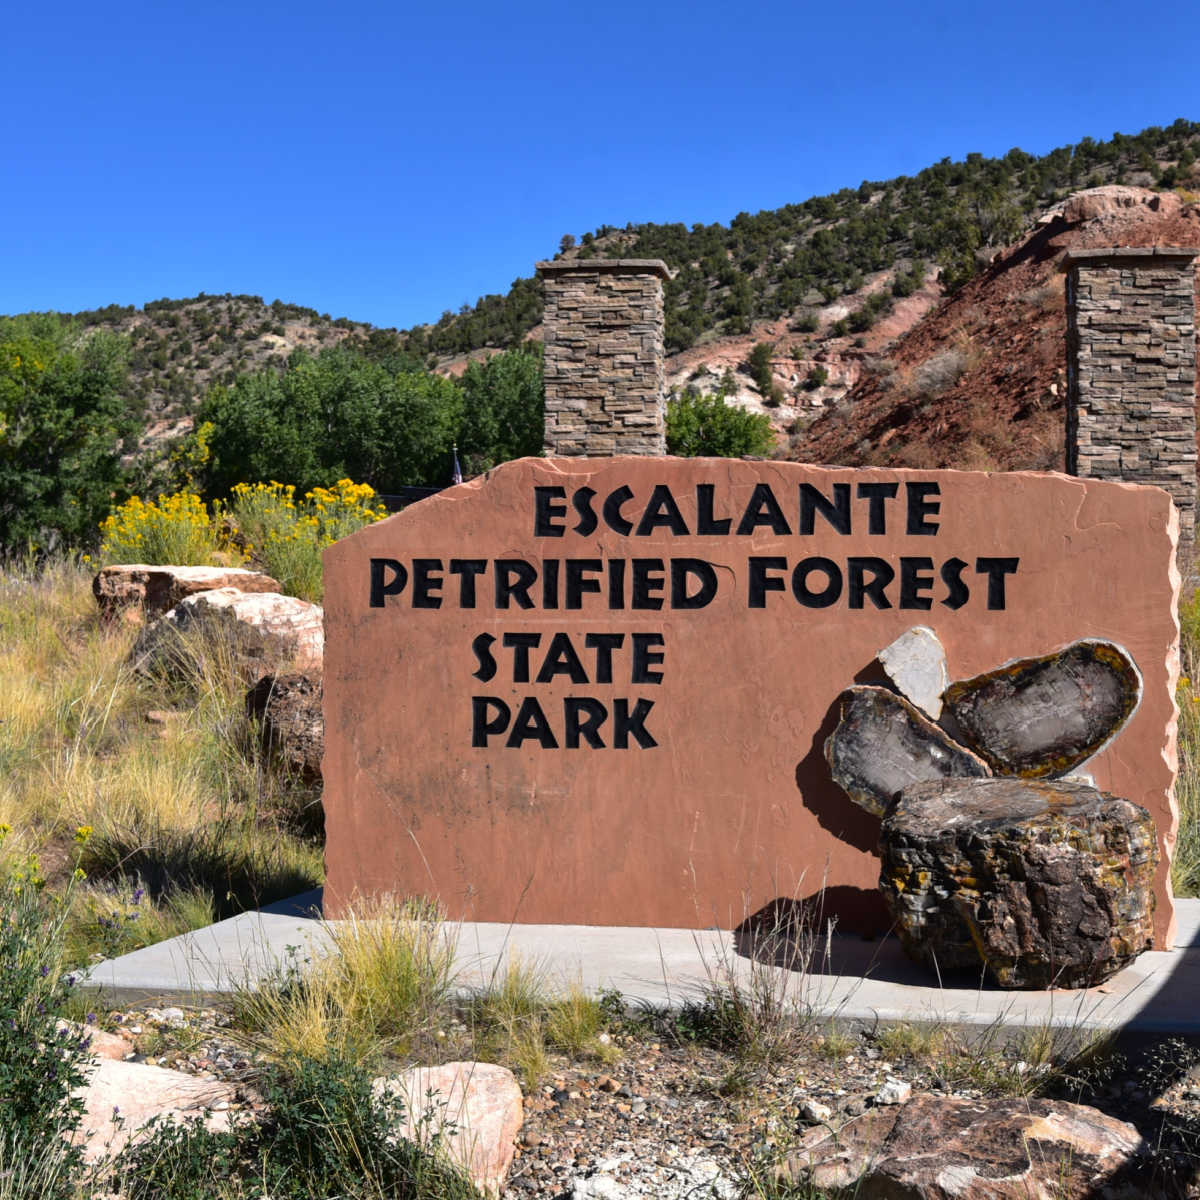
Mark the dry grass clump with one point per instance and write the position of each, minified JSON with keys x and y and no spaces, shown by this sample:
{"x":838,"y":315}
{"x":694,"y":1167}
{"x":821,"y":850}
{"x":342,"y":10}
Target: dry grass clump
{"x":381,"y":985}
{"x":183,"y":808}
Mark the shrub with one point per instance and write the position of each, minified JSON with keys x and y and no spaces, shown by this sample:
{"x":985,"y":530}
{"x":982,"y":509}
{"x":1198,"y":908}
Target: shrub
{"x":287,"y":538}
{"x":323,"y":1134}
{"x":759,"y":363}
{"x":817,"y":377}
{"x":42,"y":1062}
{"x":172,"y":529}
{"x":706,"y":425}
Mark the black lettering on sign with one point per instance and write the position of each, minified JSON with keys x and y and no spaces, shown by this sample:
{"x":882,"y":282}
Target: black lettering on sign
{"x":626,"y":723}
{"x":763,"y":509}
{"x":875,"y":494}
{"x":550,"y":582}
{"x":683,"y":569}
{"x":860,"y":587}
{"x":616,"y":583}
{"x":835,"y":511}
{"x":577,"y":581}
{"x":427,"y":585}
{"x":467,"y":569}
{"x":920,"y":509}
{"x":760,"y":583}
{"x":546,"y":512}
{"x":561,"y":659}
{"x":662,"y":513}
{"x":648,"y":582}
{"x":381,"y":585}
{"x":833,"y":587}
{"x":482,"y":646}
{"x":482,"y":726}
{"x":521,"y":643}
{"x":644,"y":657}
{"x":613,"y":517}
{"x":604,"y":644}
{"x":530,"y":725}
{"x":514,"y":577}
{"x":582,"y":717}
{"x":916,"y":576}
{"x":706,"y":523}
{"x":996,"y":569}
{"x":957,"y":592}
{"x":582,"y":502}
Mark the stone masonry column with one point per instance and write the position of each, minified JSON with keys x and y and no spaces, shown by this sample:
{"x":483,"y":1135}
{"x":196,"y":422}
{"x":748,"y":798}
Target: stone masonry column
{"x":1131,"y":372}
{"x":604,"y":374}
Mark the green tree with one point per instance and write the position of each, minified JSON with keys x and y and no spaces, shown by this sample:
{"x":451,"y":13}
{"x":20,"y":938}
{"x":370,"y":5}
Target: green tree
{"x":706,"y":426}
{"x":759,"y":363}
{"x":503,"y":409}
{"x":63,"y":423}
{"x":333,"y":416}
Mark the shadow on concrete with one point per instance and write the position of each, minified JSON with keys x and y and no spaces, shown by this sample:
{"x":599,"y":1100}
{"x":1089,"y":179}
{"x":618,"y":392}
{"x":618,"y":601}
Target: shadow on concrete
{"x":307,"y":904}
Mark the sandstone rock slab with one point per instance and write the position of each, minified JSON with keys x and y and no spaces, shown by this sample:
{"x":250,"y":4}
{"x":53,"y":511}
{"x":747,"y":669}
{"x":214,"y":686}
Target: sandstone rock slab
{"x":476,"y":1106}
{"x":288,"y":708}
{"x":1039,"y":717}
{"x":261,"y":632}
{"x":883,"y":744}
{"x":1048,"y":884}
{"x":949,"y":1148}
{"x":139,"y":588}
{"x":120,"y":1098}
{"x":916,"y":663}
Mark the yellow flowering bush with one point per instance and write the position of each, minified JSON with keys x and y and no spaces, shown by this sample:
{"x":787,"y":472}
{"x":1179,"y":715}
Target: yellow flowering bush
{"x":286,"y":536}
{"x":264,"y":521}
{"x":173,"y":529}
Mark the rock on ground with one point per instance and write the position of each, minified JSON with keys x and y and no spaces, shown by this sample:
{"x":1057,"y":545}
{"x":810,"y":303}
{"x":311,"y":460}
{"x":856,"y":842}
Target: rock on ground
{"x":288,"y":708}
{"x":120,"y":1098}
{"x":1042,"y":716}
{"x":263,"y":632}
{"x":477,"y":1106}
{"x":946,"y":1148}
{"x":103,"y":1044}
{"x":1051,"y":884}
{"x":883,"y":744}
{"x":916,"y":663}
{"x":133,"y":589}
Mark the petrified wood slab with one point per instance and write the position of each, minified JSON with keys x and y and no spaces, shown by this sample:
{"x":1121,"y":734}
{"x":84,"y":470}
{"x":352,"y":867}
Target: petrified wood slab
{"x":1050,"y":884}
{"x":1042,"y":716}
{"x":883,"y":744}
{"x":916,"y":663}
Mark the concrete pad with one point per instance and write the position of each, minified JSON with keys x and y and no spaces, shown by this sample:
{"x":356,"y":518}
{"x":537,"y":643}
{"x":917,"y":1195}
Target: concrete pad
{"x":849,"y":979}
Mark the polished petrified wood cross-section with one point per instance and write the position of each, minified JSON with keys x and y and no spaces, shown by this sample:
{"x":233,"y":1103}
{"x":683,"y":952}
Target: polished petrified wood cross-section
{"x":1041,"y":717}
{"x":883,"y":744}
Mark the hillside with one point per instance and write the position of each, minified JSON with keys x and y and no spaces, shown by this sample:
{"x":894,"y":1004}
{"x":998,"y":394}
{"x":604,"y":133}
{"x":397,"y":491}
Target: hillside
{"x":847,"y":291}
{"x":981,"y":381}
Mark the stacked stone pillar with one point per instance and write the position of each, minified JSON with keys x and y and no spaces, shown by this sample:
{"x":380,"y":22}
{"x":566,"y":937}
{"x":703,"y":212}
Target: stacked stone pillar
{"x":604,"y":375}
{"x":1131,"y":350}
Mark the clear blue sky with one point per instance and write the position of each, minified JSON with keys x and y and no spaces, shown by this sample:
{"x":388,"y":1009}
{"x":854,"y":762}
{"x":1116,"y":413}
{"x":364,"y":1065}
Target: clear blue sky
{"x":387,"y":161}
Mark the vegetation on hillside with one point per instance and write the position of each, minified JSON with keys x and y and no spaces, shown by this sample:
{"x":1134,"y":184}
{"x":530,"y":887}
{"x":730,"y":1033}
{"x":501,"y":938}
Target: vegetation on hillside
{"x":790,"y":259}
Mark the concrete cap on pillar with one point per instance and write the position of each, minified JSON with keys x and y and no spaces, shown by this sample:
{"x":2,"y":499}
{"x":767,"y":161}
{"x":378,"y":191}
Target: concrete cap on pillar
{"x":627,"y":266}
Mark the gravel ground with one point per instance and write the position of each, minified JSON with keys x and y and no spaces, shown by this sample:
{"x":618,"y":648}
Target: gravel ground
{"x":674,"y":1118}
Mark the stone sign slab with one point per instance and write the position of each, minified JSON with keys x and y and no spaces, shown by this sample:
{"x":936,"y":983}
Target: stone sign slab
{"x":598,"y":691}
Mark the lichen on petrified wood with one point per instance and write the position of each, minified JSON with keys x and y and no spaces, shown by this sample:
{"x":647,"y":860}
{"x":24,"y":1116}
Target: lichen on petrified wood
{"x":883,"y":744}
{"x":1040,"y":717}
{"x":1048,"y":884}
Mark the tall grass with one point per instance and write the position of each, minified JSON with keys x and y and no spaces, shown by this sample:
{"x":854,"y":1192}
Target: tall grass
{"x":1185,"y":867}
{"x":188,"y":811}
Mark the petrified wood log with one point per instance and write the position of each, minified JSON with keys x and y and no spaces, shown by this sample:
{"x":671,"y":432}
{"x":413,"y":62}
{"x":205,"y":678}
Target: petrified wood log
{"x":1050,"y":884}
{"x":1043,"y":716}
{"x":883,"y":744}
